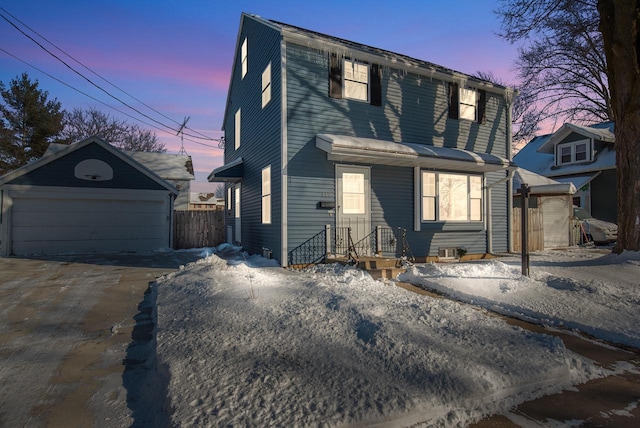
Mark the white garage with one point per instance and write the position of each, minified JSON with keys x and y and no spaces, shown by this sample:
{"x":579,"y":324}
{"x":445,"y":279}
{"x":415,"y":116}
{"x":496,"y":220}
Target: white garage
{"x":89,"y":197}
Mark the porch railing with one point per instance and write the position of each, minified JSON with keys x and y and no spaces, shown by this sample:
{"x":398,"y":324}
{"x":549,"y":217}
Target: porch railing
{"x":338,"y":242}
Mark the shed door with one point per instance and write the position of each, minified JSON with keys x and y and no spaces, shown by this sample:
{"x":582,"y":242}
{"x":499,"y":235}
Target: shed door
{"x":556,"y":212}
{"x":353,"y":205}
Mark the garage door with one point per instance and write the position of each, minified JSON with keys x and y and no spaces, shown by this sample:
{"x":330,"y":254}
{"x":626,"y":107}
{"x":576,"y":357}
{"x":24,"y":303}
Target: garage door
{"x":86,"y":224}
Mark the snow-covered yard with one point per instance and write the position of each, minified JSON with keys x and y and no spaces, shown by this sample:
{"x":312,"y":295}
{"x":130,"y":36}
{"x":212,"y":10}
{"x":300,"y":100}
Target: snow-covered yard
{"x":250,"y":344}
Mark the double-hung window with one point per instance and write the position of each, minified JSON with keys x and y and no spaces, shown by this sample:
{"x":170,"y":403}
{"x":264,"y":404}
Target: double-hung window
{"x":266,"y":195}
{"x":467,"y":103}
{"x":451,"y":197}
{"x":266,"y":85}
{"x":237,"y":130}
{"x":243,"y":53}
{"x":573,"y":152}
{"x":356,"y":80}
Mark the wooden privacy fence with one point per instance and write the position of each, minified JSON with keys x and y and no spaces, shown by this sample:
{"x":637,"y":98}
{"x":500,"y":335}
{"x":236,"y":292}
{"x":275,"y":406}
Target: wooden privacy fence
{"x":535,"y":238}
{"x":198,"y":229}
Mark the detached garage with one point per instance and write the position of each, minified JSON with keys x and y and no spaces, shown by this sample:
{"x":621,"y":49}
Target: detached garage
{"x":88,"y":197}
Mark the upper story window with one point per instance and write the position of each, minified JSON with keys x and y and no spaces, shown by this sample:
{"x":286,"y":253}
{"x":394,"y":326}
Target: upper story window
{"x":451,"y":197}
{"x":467,"y":103}
{"x":355,"y":80}
{"x":244,"y":57}
{"x":266,"y":85}
{"x":573,"y":152}
{"x":237,"y":130}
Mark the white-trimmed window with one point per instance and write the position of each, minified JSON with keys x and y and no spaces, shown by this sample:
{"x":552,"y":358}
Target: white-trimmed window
{"x":266,"y":85}
{"x":451,"y":197}
{"x":356,"y":80}
{"x":237,"y":130}
{"x":573,"y":152}
{"x":229,"y":198}
{"x":244,"y":57}
{"x":266,"y":195}
{"x":468,"y":104}
{"x":237,"y":201}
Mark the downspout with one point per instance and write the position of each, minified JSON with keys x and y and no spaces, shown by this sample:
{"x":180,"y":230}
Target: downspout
{"x":510,"y":171}
{"x":510,"y":95}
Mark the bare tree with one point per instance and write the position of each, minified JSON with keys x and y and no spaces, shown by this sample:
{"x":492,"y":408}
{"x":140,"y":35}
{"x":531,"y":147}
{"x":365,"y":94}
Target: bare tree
{"x":81,"y":124}
{"x":617,"y":46}
{"x":525,"y":116}
{"x":561,"y":65}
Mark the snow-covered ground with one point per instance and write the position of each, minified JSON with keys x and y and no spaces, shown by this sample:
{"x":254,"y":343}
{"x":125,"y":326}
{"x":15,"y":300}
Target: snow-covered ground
{"x":248,"y":344}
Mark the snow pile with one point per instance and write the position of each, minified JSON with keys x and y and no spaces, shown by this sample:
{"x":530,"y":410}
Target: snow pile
{"x":583,"y":290}
{"x":246,"y":344}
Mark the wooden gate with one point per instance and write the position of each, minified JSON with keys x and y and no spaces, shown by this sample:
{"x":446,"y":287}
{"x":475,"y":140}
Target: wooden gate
{"x":198,"y":229}
{"x":536,"y":225}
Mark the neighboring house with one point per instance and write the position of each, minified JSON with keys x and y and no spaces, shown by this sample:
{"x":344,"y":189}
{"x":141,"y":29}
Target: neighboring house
{"x":582,"y":155}
{"x":174,"y":168}
{"x":551,"y":222}
{"x":205,"y":202}
{"x":323,"y":134}
{"x":85,"y":197}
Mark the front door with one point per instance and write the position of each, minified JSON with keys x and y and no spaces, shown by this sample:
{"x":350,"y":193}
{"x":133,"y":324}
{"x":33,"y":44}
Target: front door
{"x":353,"y":203}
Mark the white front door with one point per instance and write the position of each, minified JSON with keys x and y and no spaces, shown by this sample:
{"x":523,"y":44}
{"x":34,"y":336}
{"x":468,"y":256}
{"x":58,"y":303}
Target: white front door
{"x":353,"y":194}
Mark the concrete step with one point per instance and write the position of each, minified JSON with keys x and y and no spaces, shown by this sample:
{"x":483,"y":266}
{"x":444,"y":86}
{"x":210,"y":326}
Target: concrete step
{"x":386,"y":273}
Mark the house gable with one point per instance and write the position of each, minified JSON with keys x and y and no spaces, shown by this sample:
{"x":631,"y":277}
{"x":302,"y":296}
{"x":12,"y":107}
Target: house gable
{"x":89,"y":164}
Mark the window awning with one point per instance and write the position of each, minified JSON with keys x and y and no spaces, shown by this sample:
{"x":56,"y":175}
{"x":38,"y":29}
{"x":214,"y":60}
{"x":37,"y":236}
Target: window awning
{"x":368,"y":150}
{"x":233,"y":172}
{"x":578,"y":180}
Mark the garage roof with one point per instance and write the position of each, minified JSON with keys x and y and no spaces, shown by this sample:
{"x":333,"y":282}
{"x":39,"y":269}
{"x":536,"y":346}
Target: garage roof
{"x":39,"y":171}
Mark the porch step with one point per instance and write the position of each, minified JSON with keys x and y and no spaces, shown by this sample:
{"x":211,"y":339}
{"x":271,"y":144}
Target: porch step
{"x":373,"y":263}
{"x":386,"y":273}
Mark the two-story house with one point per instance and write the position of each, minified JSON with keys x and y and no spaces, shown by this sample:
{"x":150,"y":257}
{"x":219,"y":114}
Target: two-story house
{"x":327,"y":134}
{"x":582,"y":155}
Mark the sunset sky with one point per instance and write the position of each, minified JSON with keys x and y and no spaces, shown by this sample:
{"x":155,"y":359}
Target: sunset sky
{"x":175,"y":56}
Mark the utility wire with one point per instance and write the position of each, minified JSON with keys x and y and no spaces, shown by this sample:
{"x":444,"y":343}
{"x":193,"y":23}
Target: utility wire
{"x":93,"y":83}
{"x":206,"y":137}
{"x":95,"y":99}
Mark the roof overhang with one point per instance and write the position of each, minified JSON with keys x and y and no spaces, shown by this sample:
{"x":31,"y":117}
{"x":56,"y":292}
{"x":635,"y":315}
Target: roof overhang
{"x":231,"y":172}
{"x":343,"y":148}
{"x":579,"y":181}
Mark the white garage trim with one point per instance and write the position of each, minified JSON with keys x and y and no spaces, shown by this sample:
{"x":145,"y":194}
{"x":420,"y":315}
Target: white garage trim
{"x":54,"y":220}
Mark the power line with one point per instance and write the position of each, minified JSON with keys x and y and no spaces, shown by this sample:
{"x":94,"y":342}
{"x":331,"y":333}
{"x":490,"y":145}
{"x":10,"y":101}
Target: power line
{"x":93,"y":83}
{"x":101,"y":77}
{"x":95,"y":99}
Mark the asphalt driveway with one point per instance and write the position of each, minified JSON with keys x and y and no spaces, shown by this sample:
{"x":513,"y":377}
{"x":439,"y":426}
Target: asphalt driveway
{"x":67,"y":322}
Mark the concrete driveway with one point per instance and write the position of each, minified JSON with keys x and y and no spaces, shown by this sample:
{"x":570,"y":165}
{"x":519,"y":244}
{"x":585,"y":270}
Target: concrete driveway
{"x":67,"y":322}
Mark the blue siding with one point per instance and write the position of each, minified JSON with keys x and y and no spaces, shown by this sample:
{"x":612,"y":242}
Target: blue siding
{"x":61,"y":172}
{"x":414,"y":109}
{"x":260,"y":135}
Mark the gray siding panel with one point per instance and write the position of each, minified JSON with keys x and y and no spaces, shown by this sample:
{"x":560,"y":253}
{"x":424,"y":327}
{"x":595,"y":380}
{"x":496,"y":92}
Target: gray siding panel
{"x":604,"y":196}
{"x":414,"y":109}
{"x":260,"y":136}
